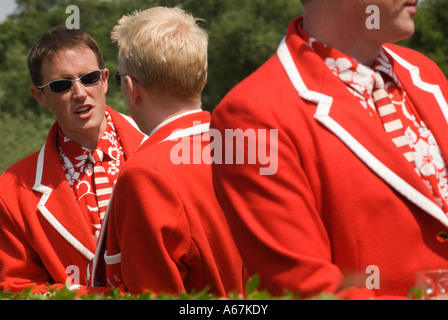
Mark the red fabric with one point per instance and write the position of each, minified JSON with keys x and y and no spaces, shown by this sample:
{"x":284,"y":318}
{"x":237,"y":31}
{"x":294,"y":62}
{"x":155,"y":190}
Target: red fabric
{"x":167,"y":224}
{"x":390,"y":118}
{"x":360,"y":81}
{"x":103,"y":185}
{"x":327,"y":213}
{"x":79,"y":171}
{"x":35,"y":203}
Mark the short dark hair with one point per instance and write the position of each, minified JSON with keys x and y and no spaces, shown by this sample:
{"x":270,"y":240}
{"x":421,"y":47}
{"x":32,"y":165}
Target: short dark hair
{"x":56,"y":39}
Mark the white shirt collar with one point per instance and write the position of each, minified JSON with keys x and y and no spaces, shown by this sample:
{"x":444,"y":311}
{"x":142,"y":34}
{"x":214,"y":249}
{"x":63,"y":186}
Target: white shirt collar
{"x":174,"y":118}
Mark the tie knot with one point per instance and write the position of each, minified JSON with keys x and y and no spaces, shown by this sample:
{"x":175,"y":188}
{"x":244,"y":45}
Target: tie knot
{"x":96,"y":156}
{"x":379,"y":82}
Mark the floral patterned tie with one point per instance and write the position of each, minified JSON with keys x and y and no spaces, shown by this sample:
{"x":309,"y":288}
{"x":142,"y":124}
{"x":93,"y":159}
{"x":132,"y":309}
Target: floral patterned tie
{"x":389,"y":116}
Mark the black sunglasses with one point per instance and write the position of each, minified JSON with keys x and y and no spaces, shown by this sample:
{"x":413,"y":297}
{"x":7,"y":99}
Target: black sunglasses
{"x":118,"y":76}
{"x":63,"y":85}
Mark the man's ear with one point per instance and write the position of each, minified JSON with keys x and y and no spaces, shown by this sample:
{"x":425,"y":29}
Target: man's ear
{"x":40,"y":96}
{"x":205,"y":81}
{"x":106,"y":80}
{"x":134,"y":90}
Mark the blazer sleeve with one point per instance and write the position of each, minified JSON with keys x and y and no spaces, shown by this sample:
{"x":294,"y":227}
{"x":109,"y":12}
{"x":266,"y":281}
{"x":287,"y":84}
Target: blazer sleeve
{"x":274,"y":218}
{"x":148,"y":227}
{"x":20,"y":266}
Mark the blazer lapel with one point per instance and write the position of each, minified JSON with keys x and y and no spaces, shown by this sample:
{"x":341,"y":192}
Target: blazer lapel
{"x":128,"y":131}
{"x":435,"y":106}
{"x":356,"y":130}
{"x":56,"y":203}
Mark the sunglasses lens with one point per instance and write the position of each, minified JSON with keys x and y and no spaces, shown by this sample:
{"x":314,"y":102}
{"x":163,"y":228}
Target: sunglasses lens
{"x":60,"y":85}
{"x":118,"y":78}
{"x":91,"y":78}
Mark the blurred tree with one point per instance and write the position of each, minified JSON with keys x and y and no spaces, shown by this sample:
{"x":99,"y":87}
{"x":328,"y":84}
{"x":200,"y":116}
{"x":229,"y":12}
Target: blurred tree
{"x":431,"y":32}
{"x":243,"y":34}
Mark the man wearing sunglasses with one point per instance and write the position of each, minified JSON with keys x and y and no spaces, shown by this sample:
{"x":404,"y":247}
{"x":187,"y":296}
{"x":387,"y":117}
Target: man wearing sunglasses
{"x":52,"y":203}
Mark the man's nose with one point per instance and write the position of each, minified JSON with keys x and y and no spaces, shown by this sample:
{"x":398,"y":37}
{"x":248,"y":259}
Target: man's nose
{"x":79,"y":90}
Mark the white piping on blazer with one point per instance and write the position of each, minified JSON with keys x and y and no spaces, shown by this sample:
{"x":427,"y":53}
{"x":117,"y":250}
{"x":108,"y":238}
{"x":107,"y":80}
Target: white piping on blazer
{"x":322,"y":115}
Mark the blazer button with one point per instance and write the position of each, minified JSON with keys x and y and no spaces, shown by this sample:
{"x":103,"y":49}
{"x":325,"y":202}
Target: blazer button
{"x":442,"y":237}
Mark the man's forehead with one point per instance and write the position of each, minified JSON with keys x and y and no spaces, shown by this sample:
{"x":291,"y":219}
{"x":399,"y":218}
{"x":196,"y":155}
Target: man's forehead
{"x":70,"y":62}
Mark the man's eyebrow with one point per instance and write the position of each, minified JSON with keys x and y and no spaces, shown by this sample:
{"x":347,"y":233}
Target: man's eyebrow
{"x":67,"y":76}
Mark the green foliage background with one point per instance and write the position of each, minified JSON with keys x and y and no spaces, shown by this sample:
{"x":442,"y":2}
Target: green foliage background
{"x":243,"y":34}
{"x":251,"y":293}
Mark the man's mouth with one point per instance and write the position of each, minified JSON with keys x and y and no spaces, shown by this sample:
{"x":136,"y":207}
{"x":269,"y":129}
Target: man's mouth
{"x":84,"y":110}
{"x":413,"y":3}
{"x":411,"y":6}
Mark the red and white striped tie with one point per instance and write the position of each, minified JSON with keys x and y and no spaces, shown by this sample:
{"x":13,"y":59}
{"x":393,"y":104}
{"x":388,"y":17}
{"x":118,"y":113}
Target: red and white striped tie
{"x":391,"y":121}
{"x":102,"y":184}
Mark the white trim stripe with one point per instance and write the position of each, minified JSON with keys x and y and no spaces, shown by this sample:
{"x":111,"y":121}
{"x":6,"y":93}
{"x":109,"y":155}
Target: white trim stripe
{"x":428,"y":87}
{"x":100,"y":244}
{"x":40,"y":166}
{"x":115,"y":259}
{"x":324,"y":104}
{"x":164,"y":123}
{"x":192,"y":131}
{"x":46,"y":193}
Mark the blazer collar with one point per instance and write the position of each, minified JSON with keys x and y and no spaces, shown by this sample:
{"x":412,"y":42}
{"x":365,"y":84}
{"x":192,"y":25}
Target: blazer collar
{"x":54,"y":205}
{"x":319,"y":86}
{"x":50,"y":177}
{"x":188,"y":124}
{"x":435,"y":109}
{"x":129,"y":132}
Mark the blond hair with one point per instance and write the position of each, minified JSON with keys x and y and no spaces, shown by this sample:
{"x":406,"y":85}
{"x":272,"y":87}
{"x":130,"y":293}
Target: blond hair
{"x":164,"y":48}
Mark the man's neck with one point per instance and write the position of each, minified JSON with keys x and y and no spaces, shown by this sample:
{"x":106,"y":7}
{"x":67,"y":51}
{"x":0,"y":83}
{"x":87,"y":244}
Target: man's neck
{"x":88,"y":139}
{"x":160,"y":107}
{"x":362,"y":49}
{"x":173,"y":117}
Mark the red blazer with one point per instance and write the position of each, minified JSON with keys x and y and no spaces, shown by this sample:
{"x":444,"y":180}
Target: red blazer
{"x":343,"y":198}
{"x":43,"y":235}
{"x":166,"y":231}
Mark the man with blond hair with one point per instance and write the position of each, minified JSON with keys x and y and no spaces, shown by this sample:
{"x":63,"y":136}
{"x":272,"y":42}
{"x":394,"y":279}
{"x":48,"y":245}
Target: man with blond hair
{"x":166,"y":231}
{"x":359,"y":202}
